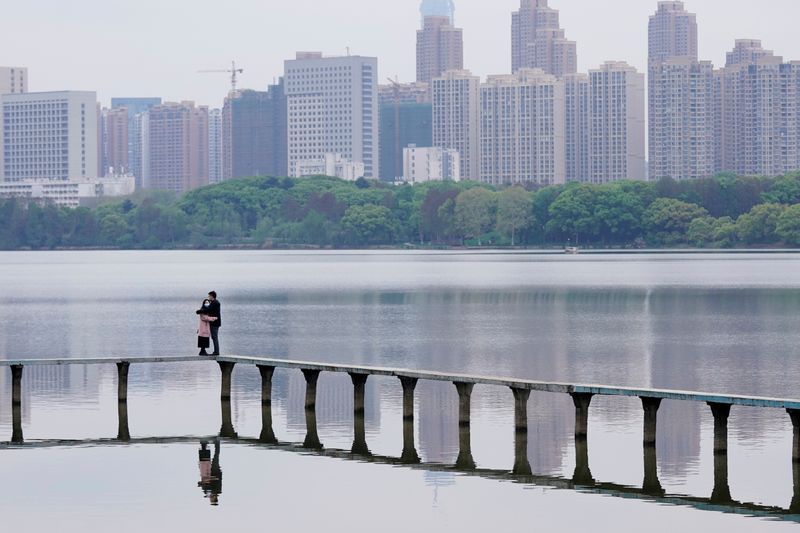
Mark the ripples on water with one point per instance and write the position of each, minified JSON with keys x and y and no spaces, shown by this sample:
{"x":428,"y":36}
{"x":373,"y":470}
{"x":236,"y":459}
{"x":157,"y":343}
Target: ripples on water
{"x":712,"y":323}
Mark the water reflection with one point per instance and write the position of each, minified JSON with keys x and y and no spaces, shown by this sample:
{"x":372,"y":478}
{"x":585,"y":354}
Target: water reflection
{"x":210,"y":472}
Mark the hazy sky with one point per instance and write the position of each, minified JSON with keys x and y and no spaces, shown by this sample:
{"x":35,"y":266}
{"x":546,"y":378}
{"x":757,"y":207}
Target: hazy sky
{"x":155,"y":47}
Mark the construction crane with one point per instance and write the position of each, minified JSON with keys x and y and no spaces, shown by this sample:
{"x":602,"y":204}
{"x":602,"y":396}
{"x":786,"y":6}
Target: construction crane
{"x":398,"y":154}
{"x":233,"y":71}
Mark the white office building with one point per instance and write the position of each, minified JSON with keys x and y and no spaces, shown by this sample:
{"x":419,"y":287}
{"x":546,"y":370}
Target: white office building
{"x":333,"y":165}
{"x":522,"y":129}
{"x":421,"y":164}
{"x":332,"y":108}
{"x":456,"y":110}
{"x":13,"y":80}
{"x":71,"y":193}
{"x":50,"y":135}
{"x":617,"y":123}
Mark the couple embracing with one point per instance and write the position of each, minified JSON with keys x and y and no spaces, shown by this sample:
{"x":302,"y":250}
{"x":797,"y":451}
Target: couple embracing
{"x":210,"y":315}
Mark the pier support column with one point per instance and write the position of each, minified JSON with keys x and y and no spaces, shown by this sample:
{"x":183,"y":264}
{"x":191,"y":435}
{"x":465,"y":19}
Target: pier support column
{"x":122,"y":381}
{"x":581,"y":401}
{"x":464,"y":398}
{"x":409,"y":384}
{"x":582,"y":474}
{"x":311,"y":387}
{"x":227,"y":430}
{"x":794,"y":507}
{"x":794,"y":414}
{"x":464,"y":460}
{"x":16,"y":424}
{"x":722,"y":491}
{"x":721,"y":412}
{"x":16,"y":384}
{"x":123,"y":431}
{"x":651,"y":484}
{"x":359,"y":428}
{"x":522,"y":466}
{"x":650,"y":406}
{"x":227,"y":373}
{"x":409,"y":455}
{"x":267,"y":434}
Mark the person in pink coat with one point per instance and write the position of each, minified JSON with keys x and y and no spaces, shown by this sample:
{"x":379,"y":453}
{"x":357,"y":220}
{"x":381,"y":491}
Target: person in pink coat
{"x":204,"y":327}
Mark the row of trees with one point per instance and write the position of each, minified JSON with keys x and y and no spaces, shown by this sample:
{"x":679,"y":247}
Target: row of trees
{"x":720,"y":212}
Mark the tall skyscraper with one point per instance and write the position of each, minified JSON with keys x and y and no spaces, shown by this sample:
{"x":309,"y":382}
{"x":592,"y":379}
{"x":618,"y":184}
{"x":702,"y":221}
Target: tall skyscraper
{"x":537,"y":40}
{"x":136,"y":108}
{"x":759,"y":125}
{"x":115,"y":146}
{"x":332,"y":108}
{"x":672,"y":32}
{"x":456,"y":109}
{"x":437,"y":8}
{"x":175,"y":147}
{"x":576,"y":127}
{"x":681,"y":101}
{"x":254,"y":140}
{"x":13,"y":80}
{"x":49,"y":136}
{"x":440,"y":47}
{"x":522,"y":129}
{"x":617,"y":118}
{"x":403,"y":124}
{"x":214,"y":145}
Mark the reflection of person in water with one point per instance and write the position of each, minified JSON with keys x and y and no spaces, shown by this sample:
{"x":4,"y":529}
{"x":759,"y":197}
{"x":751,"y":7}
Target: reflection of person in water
{"x":210,"y":472}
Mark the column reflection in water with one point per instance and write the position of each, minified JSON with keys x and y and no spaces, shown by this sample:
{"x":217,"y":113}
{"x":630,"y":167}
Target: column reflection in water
{"x":522,"y":466}
{"x":123,"y":432}
{"x":359,"y":446}
{"x":267,"y":435}
{"x":311,"y":440}
{"x":464,"y":460}
{"x":409,"y":454}
{"x":227,"y":430}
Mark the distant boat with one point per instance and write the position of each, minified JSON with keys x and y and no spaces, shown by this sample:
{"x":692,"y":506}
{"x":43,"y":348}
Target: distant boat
{"x":571,"y":250}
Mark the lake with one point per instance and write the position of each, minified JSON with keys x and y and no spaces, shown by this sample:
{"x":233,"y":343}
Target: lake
{"x":727,"y":323}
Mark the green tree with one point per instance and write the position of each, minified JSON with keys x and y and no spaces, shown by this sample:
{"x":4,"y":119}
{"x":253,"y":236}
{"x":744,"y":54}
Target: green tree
{"x":760,"y":225}
{"x":474,"y":212}
{"x":785,"y":190}
{"x":572,"y":213}
{"x":701,"y":231}
{"x":667,"y":220}
{"x":113,"y":228}
{"x":369,"y":225}
{"x":514,"y":211}
{"x":789,"y":225}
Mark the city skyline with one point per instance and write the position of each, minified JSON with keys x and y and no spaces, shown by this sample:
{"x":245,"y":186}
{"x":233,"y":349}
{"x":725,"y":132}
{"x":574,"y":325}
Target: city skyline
{"x":166,"y":63}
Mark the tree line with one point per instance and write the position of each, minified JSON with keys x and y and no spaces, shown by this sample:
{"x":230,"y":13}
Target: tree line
{"x":719,"y":212}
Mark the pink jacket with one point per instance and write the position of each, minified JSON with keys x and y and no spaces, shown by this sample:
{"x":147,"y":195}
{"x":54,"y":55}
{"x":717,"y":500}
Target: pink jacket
{"x":204,"y":329}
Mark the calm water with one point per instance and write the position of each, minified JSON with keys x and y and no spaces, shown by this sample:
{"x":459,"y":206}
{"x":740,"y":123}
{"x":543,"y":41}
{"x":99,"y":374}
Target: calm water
{"x":719,"y":323}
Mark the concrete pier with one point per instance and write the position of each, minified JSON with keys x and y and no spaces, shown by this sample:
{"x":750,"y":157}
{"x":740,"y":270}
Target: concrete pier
{"x":16,"y":384}
{"x":464,"y":399}
{"x":227,"y":372}
{"x":123,"y":431}
{"x":227,"y":430}
{"x":359,"y":388}
{"x":311,"y":441}
{"x":409,"y":384}
{"x":311,"y":377}
{"x":122,"y":381}
{"x":464,"y":461}
{"x":794,"y":414}
{"x":409,"y":454}
{"x":521,"y":397}
{"x":722,"y":492}
{"x":266,"y":383}
{"x":794,"y":507}
{"x":582,"y":475}
{"x":522,"y":466}
{"x":360,"y":446}
{"x":650,"y":406}
{"x":267,"y":435}
{"x":16,"y":424}
{"x":651,"y":484}
{"x":581,"y":401}
{"x":721,"y":412}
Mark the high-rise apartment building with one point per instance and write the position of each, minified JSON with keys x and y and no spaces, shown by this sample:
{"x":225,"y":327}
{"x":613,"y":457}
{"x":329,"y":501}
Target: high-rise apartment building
{"x":254,"y":139}
{"x":759,"y":101}
{"x":175,"y":147}
{"x":13,"y":80}
{"x":215,"y":145}
{"x":136,"y":107}
{"x":537,"y":40}
{"x":456,"y":109}
{"x":402,"y":124}
{"x":48,"y":136}
{"x":421,"y":164}
{"x":332,"y":108}
{"x":115,"y":145}
{"x":681,"y":98}
{"x":522,"y":129}
{"x":617,"y":123}
{"x":404,"y":93}
{"x":440,"y":47}
{"x":576,"y":127}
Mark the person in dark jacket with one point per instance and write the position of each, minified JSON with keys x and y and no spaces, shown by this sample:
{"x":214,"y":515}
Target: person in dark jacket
{"x":215,"y":310}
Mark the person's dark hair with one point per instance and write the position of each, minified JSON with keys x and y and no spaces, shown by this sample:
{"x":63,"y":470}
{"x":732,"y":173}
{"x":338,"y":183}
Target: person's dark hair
{"x":213,"y":294}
